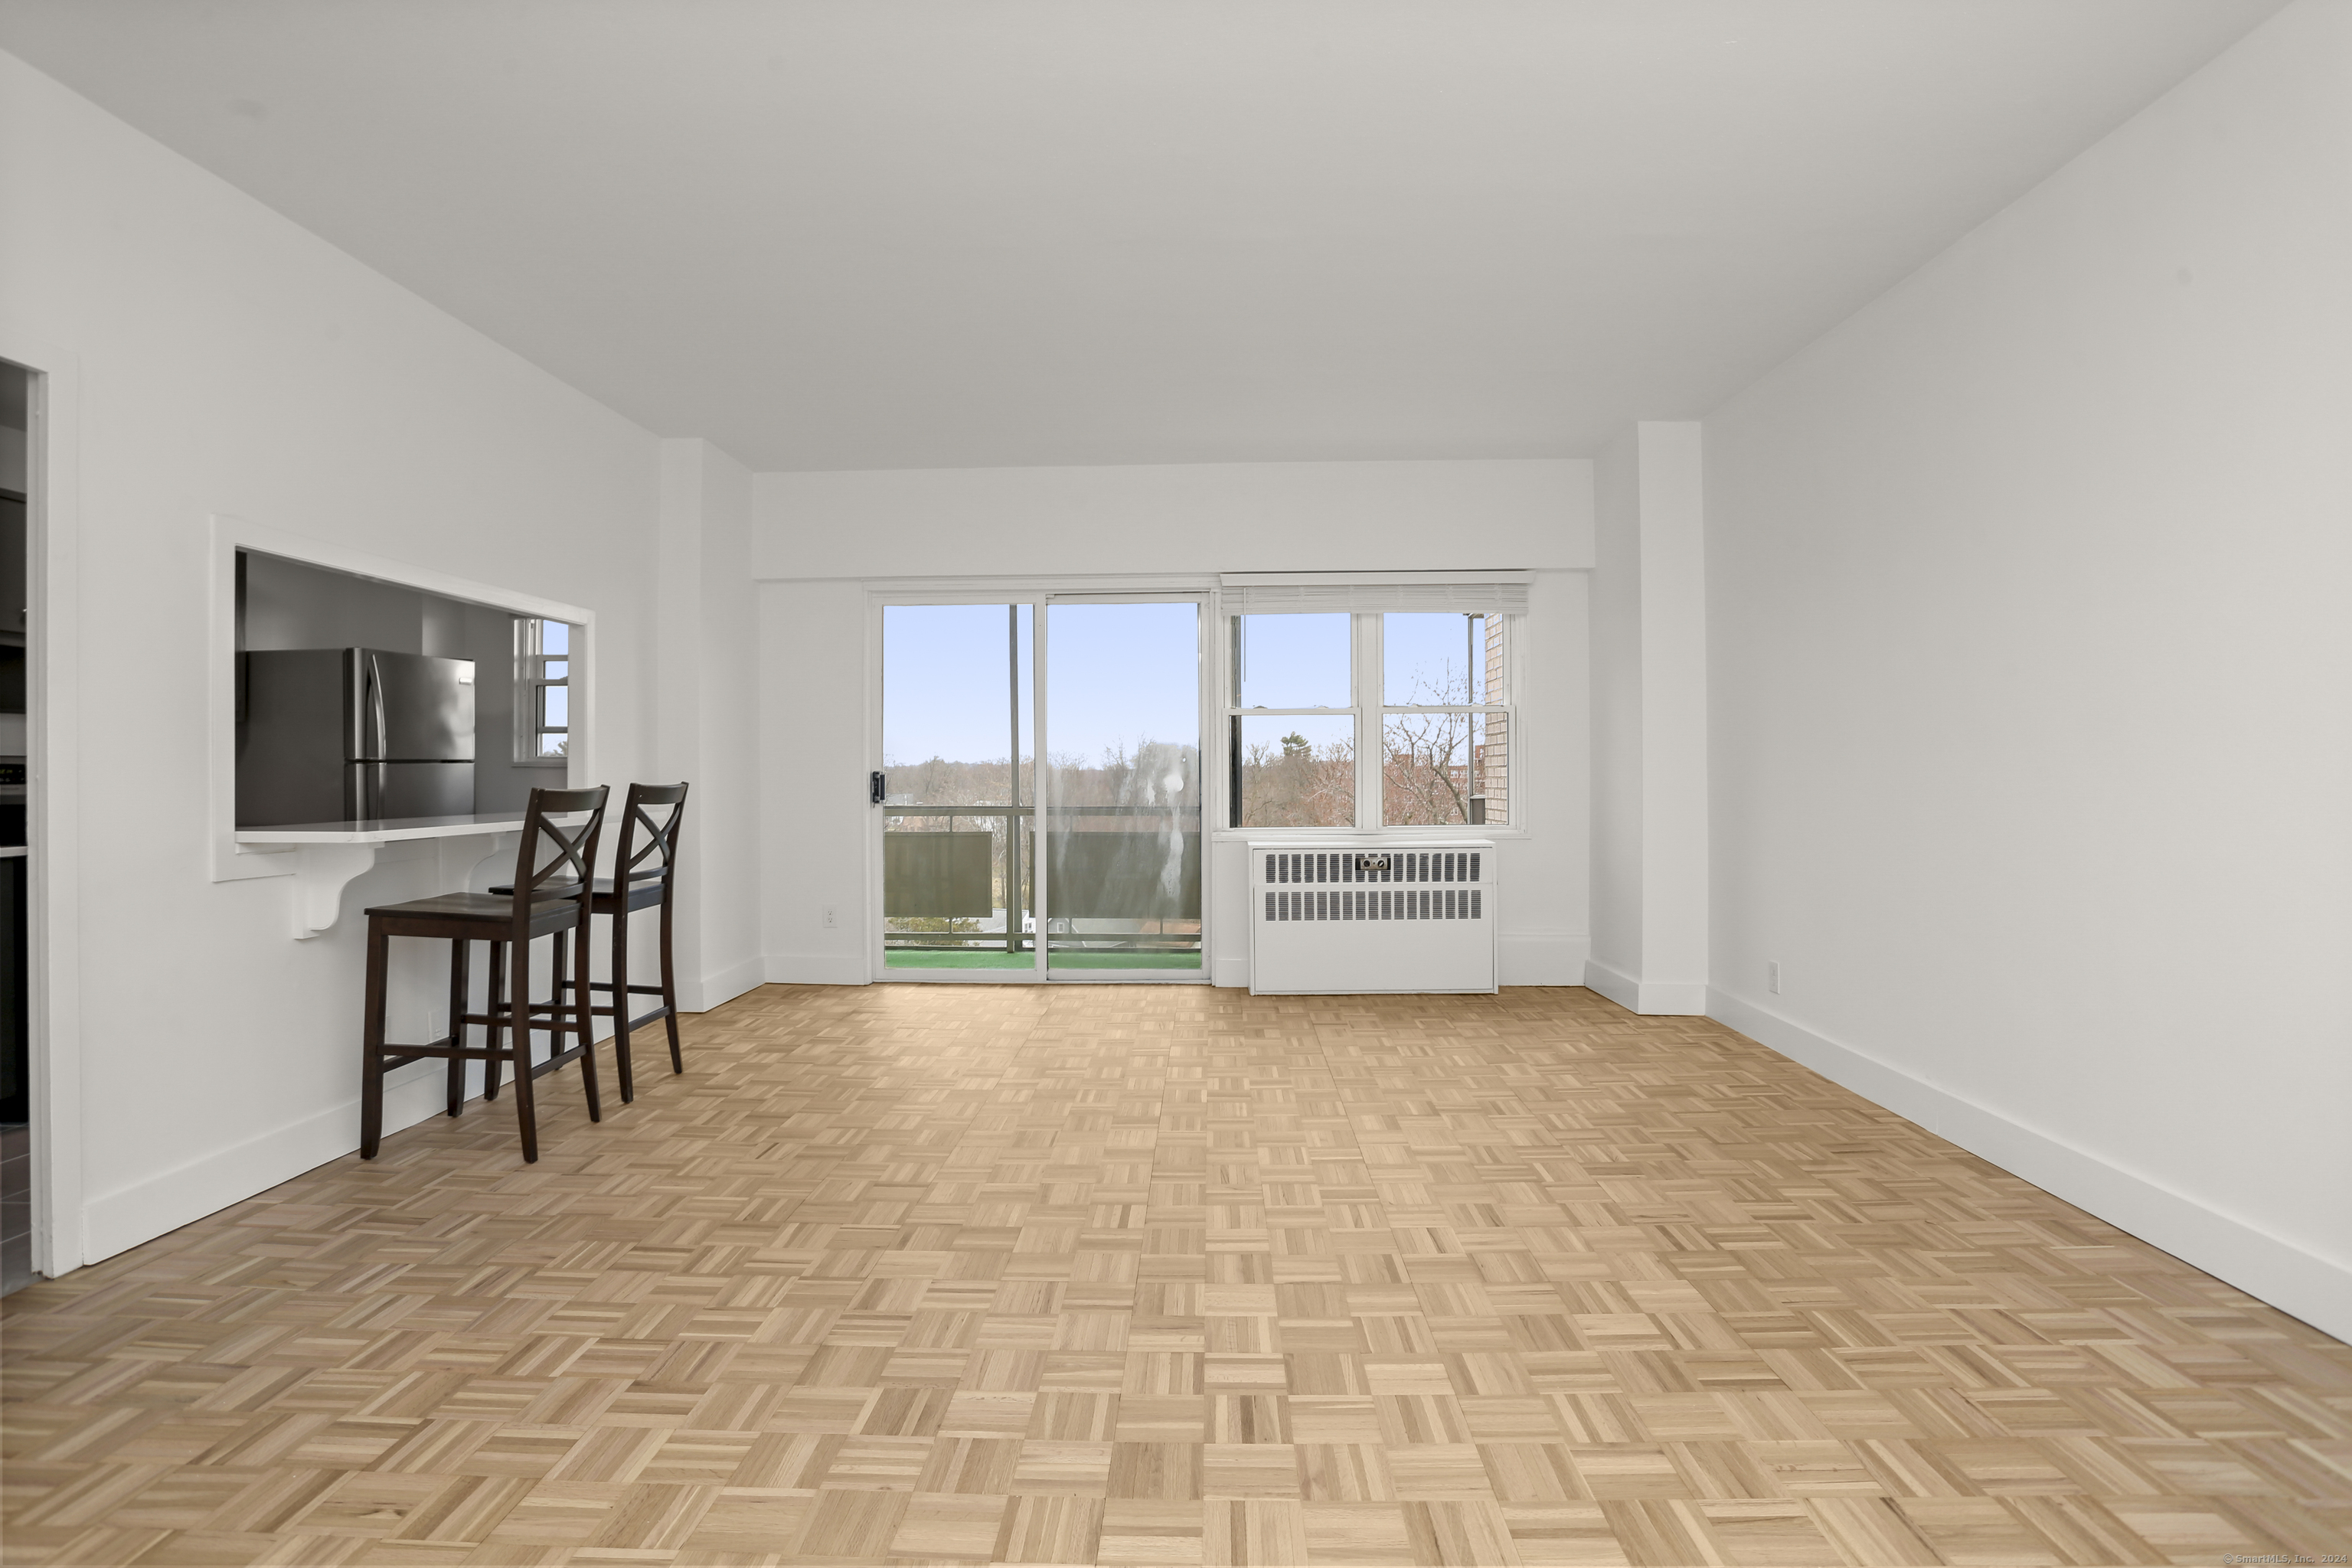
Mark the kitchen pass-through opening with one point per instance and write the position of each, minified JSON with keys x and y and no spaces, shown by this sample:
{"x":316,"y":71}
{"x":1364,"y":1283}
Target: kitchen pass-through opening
{"x":364,"y":700}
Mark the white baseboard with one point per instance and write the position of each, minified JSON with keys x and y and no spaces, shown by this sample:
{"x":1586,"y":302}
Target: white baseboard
{"x":1543,"y":957}
{"x":2296,"y":1281}
{"x":1525,"y":958}
{"x":1650,"y":998}
{"x":712,"y":990}
{"x":1614,"y":983}
{"x":815,"y":969}
{"x":162,"y":1203}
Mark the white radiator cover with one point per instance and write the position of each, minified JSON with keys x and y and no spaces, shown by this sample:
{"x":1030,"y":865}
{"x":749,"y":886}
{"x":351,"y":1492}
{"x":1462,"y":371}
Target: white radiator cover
{"x":1355,"y":916}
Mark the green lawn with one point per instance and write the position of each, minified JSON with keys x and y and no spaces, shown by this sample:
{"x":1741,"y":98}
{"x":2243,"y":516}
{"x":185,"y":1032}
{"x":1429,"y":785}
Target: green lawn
{"x":948,"y":958}
{"x":982,"y":958}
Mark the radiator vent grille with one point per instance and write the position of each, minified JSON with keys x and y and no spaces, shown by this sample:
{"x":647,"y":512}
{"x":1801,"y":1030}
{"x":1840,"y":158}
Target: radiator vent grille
{"x":1370,"y":866}
{"x":1378,"y":904}
{"x":1350,"y":917}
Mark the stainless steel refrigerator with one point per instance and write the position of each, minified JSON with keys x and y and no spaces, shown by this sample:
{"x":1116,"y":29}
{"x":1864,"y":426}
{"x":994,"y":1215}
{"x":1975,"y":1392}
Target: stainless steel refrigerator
{"x":339,"y":734}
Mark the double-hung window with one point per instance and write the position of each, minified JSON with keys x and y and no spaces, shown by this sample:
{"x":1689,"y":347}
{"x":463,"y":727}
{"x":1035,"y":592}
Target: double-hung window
{"x":1293,"y":720}
{"x":1370,"y":710}
{"x":542,"y":691}
{"x":1445,"y":731}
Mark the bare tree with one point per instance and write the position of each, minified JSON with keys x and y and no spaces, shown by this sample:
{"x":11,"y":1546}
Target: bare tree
{"x":1299,"y":783}
{"x":1427,"y":768}
{"x":1432,"y":763}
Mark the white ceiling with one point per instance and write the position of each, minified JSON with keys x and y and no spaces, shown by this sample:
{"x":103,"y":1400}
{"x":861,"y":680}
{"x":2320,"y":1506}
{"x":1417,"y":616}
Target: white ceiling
{"x":920,"y":233}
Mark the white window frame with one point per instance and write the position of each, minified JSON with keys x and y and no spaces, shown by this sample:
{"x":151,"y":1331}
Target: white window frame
{"x":531,"y":682}
{"x":1505,"y":709}
{"x":1369,"y":711}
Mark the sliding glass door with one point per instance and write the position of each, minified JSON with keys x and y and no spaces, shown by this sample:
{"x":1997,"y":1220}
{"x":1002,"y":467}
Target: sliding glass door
{"x":1116,"y":807}
{"x":958,"y":789}
{"x":1123,"y":788}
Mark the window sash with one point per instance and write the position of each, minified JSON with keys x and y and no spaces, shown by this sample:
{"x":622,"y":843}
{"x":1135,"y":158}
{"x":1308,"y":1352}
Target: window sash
{"x":1367,"y":686}
{"x":532,"y":732}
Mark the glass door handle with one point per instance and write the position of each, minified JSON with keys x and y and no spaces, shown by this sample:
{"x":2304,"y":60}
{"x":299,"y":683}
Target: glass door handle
{"x":876,"y":787}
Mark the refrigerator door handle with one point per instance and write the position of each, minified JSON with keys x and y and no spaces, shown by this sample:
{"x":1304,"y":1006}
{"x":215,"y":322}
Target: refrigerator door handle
{"x":375,"y":711}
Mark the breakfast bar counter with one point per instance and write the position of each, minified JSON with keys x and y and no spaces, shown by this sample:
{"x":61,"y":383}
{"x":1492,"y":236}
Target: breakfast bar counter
{"x":328,"y":855}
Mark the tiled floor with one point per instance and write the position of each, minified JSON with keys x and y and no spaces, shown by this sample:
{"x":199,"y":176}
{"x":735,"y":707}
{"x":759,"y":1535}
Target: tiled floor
{"x":1161,"y":1275}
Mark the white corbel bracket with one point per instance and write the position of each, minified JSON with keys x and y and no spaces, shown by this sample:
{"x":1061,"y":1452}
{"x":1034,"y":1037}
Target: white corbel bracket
{"x":327,"y":856}
{"x":321,"y":872}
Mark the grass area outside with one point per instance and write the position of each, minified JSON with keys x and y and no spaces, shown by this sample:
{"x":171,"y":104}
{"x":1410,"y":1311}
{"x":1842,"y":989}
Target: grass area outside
{"x":981,"y":958}
{"x":948,"y":958}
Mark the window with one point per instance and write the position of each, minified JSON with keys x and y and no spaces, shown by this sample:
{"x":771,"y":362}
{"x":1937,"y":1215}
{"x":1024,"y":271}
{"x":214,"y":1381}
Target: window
{"x":542,"y":691}
{"x":1444,"y":738}
{"x":1294,"y":721}
{"x":1357,"y":719}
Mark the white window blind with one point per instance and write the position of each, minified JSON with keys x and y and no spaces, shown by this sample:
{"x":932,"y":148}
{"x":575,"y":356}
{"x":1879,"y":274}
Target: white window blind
{"x":1309,"y":592}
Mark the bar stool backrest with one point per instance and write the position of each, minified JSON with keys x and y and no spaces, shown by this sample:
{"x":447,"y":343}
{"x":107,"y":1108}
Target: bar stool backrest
{"x":568,"y":868}
{"x":661,"y":838}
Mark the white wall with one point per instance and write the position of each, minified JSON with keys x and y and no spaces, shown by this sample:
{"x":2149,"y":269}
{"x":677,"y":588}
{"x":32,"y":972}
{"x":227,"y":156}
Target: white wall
{"x":1615,"y":628}
{"x":2031,"y":750}
{"x":708,"y":660}
{"x":819,"y":539}
{"x":208,"y":356}
{"x":812,"y":765}
{"x":1192,"y":518}
{"x":1649,"y":667}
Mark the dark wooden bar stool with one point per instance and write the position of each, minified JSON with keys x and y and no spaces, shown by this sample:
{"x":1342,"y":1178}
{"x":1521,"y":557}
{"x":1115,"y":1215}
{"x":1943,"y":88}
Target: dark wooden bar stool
{"x":554,"y":901}
{"x":649,"y":873}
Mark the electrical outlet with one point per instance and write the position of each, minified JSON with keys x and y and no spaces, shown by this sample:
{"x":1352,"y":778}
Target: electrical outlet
{"x":1771,"y":972}
{"x":825,"y":918}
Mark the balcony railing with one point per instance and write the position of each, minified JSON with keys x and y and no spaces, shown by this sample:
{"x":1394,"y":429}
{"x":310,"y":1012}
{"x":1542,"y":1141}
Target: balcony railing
{"x":1103,"y":877}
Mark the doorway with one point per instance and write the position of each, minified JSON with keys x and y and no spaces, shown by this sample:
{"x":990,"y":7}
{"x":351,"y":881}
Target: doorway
{"x":1039,"y":793}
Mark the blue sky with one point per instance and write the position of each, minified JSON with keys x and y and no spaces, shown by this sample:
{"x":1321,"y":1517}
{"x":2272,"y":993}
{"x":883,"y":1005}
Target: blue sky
{"x":1434,"y":647}
{"x":1295,"y":662}
{"x":944,"y":682}
{"x":1120,"y":673}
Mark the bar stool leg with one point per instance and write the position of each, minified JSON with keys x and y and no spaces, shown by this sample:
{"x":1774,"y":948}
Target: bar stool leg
{"x":460,"y":951}
{"x":491,"y":1030}
{"x":371,"y":1044}
{"x":620,"y":1004}
{"x":669,"y":991}
{"x":519,"y":1034}
{"x":577,"y":1008}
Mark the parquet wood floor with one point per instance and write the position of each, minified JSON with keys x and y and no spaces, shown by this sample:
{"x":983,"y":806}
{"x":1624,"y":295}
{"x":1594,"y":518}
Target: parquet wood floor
{"x":1159,"y":1276}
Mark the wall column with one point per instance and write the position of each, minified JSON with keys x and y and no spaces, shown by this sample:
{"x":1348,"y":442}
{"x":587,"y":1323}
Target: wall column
{"x":705,"y":714}
{"x":1649,"y":723}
